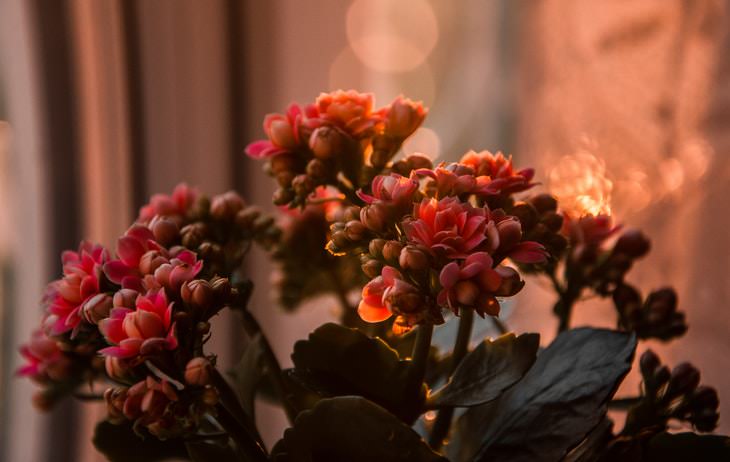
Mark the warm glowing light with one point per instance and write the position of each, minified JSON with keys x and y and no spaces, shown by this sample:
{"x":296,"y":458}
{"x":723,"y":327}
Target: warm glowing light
{"x":424,"y":141}
{"x":429,"y":416}
{"x":392,"y":36}
{"x":581,"y":185}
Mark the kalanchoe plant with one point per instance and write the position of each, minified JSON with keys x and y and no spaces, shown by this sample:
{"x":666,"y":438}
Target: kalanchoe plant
{"x":424,"y":246}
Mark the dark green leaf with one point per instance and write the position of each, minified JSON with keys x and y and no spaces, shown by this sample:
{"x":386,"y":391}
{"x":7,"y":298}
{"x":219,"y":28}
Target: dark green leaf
{"x":487,"y":371}
{"x":667,"y":447}
{"x":555,"y":405}
{"x":594,"y":444}
{"x":119,"y":443}
{"x":249,"y":373}
{"x":338,"y":361}
{"x":352,"y":429}
{"x":204,"y":451}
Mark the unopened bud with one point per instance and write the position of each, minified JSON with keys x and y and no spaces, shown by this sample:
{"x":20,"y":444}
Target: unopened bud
{"x":150,"y":261}
{"x":352,"y":213}
{"x":373,"y":216}
{"x":404,"y":117}
{"x":225,"y":206}
{"x":283,"y":163}
{"x":97,"y":308}
{"x":355,"y":230}
{"x":552,"y":221}
{"x":413,"y":258}
{"x":633,"y":243}
{"x":372,"y":268}
{"x":165,"y":231}
{"x":302,"y":185}
{"x":325,"y":142}
{"x":684,"y":379}
{"x":221,"y":289}
{"x":246,"y":217}
{"x":197,"y":293}
{"x":510,"y":232}
{"x":526,"y":214}
{"x":544,"y":203}
{"x":511,"y":282}
{"x":285,"y":178}
{"x":392,"y":250}
{"x":125,"y":298}
{"x":193,"y":235}
{"x":262,"y":223}
{"x":197,"y":372}
{"x":648,"y":363}
{"x":116,"y":369}
{"x":317,"y":169}
{"x":376,"y":247}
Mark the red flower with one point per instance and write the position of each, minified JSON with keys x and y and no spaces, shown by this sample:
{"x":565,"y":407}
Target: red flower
{"x":451,"y":228}
{"x":147,"y":328}
{"x":389,"y":294}
{"x":391,"y":189}
{"x":82,"y":271}
{"x":456,"y":179}
{"x":140,"y":256}
{"x":174,"y":206}
{"x":499,"y":168}
{"x":403,"y":117}
{"x":45,"y":360}
{"x":284,"y":132}
{"x":473,"y":283}
{"x":349,"y":110}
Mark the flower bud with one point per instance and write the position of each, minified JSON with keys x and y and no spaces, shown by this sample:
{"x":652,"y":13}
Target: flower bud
{"x":225,"y":206}
{"x":510,"y":232}
{"x":325,"y":142}
{"x":373,"y":216}
{"x":376,"y":247}
{"x":544,"y":203}
{"x":339,"y":240}
{"x":684,"y":379}
{"x":648,"y":363}
{"x":352,"y":213}
{"x":283,"y":196}
{"x":221,"y":289}
{"x":372,"y":268}
{"x":355,"y":230}
{"x":511,"y":282}
{"x":150,"y":261}
{"x":166,"y":232}
{"x":413,"y":258}
{"x":526,"y":214}
{"x":125,"y":298}
{"x":392,"y":250}
{"x":246,"y":217}
{"x":633,"y":243}
{"x":317,"y":170}
{"x":466,"y":292}
{"x":97,"y":308}
{"x":404,"y":117}
{"x":193,"y":235}
{"x":302,"y":185}
{"x":552,"y":221}
{"x":117,"y":369}
{"x":197,"y":293}
{"x":197,"y":372}
{"x":263,"y":223}
{"x":283,"y":163}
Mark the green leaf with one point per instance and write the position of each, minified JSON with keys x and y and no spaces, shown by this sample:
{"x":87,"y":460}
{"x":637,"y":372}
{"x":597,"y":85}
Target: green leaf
{"x":555,"y":405}
{"x":249,"y":374}
{"x":119,"y":443}
{"x":488,"y":370}
{"x":204,"y":451}
{"x":354,"y":429}
{"x":338,"y":361}
{"x":667,"y":447}
{"x":593,"y":445}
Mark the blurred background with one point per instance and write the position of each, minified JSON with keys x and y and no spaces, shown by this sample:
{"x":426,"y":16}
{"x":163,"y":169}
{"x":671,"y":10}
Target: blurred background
{"x":620,"y":105}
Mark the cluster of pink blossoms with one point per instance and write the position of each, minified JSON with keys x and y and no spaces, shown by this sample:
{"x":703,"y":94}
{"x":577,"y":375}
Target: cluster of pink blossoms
{"x":430,"y":241}
{"x":141,"y":314}
{"x":340,"y":134}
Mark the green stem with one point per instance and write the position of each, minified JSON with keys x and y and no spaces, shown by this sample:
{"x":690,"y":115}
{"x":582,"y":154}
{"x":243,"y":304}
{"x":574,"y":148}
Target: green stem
{"x":252,"y":450}
{"x":461,"y":348}
{"x":417,"y":368}
{"x":253,"y":328}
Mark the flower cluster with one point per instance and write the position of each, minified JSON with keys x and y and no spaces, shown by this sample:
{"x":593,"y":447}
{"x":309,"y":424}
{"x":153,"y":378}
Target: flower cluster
{"x":672,"y":395}
{"x":339,"y":140}
{"x":142,"y":313}
{"x":428,"y":246}
{"x":655,"y":317}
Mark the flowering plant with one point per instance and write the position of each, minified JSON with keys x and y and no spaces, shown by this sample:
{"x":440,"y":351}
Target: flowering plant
{"x":426,"y":247}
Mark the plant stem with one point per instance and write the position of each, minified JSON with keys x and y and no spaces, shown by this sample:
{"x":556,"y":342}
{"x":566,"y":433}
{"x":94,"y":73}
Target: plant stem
{"x":564,"y":306}
{"x":246,"y":443}
{"x":461,"y":347}
{"x":419,"y":359}
{"x":253,"y":328}
{"x":229,"y":401}
{"x":500,"y":325}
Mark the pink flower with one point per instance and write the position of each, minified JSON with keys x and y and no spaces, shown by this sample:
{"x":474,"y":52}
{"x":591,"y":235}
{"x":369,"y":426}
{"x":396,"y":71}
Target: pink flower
{"x":391,"y":189}
{"x":473,"y":283}
{"x":284,"y":132}
{"x":403,"y":117}
{"x":499,"y":168}
{"x":456,"y":179}
{"x":349,"y":110}
{"x":140,"y":255}
{"x":511,"y":245}
{"x":45,"y":360}
{"x":174,"y":206}
{"x":389,"y":294}
{"x":146,"y":329}
{"x":588,"y":230}
{"x":82,"y":271}
{"x":451,"y":228}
